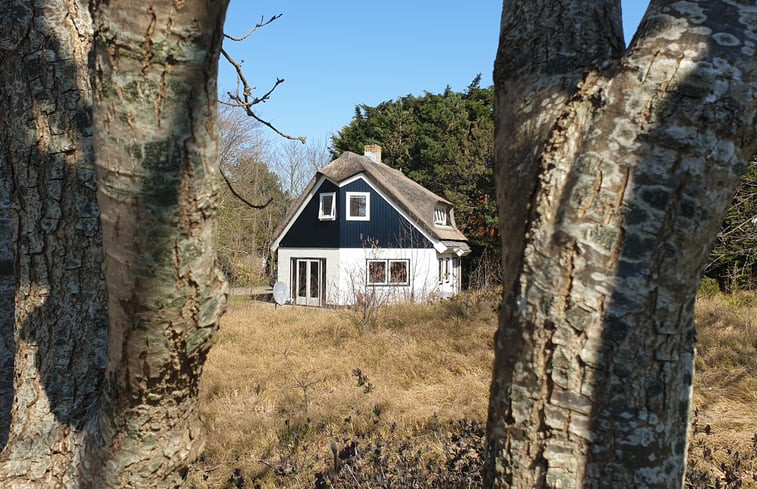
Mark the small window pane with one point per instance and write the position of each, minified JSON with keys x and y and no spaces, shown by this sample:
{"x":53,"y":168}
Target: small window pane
{"x":327,"y":209}
{"x":376,"y":272}
{"x":358,"y":207}
{"x":397,"y":272}
{"x":314,"y":273}
{"x":328,"y":200}
{"x":302,"y":273}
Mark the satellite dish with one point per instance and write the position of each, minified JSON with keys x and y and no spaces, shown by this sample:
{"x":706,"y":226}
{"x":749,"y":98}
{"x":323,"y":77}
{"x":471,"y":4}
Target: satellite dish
{"x":280,"y":293}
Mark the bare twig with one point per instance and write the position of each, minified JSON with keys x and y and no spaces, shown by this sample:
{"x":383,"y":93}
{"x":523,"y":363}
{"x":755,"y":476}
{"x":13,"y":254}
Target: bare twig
{"x":252,"y":114}
{"x":243,"y":98}
{"x":260,"y":24}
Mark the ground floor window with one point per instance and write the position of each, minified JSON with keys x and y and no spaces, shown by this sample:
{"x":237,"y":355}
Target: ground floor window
{"x":388,"y":272}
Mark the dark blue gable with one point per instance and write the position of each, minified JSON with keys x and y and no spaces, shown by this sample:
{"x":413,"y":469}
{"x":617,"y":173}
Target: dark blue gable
{"x":386,"y":228}
{"x":310,"y":232}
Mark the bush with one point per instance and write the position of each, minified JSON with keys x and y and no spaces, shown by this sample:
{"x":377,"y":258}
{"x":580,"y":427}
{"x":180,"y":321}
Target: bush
{"x":709,"y":288}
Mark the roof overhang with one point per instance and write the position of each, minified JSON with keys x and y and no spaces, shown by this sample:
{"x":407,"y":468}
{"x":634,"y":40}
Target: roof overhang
{"x":459,"y":248}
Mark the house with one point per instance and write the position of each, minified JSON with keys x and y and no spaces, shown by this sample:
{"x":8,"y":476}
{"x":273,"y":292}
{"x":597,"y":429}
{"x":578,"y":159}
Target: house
{"x":361,"y":227}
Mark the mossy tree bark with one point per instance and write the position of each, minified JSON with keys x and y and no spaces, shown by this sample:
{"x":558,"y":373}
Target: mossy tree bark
{"x":96,"y":396}
{"x":614,"y":169}
{"x":156,"y":154}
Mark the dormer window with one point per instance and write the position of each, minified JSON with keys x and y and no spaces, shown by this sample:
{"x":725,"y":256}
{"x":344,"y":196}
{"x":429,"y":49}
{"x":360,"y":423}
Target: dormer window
{"x":441,"y":216}
{"x":327,"y":209}
{"x":358,"y":206}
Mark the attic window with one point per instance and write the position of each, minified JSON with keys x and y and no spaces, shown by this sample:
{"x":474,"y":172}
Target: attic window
{"x":441,"y":216}
{"x":358,"y":206}
{"x":327,"y":209}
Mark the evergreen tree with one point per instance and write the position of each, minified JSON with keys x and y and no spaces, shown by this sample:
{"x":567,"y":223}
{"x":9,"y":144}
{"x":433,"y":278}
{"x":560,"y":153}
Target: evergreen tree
{"x":443,"y":141}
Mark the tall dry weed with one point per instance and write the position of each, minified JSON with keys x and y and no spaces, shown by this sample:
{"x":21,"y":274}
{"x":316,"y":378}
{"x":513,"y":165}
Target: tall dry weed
{"x":723,"y":444}
{"x":297,"y":397}
{"x":283,"y":384}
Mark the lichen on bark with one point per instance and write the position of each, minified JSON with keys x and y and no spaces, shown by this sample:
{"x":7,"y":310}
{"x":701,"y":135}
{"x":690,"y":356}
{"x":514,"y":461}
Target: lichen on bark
{"x":594,"y":354}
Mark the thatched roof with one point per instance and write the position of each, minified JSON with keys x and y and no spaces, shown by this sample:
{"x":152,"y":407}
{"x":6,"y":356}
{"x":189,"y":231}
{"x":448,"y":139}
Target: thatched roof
{"x":415,"y":200}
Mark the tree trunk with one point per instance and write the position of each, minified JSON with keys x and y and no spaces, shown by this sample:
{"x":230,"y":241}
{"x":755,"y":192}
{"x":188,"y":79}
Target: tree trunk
{"x":52,"y":296}
{"x":156,"y":154}
{"x":88,"y":401}
{"x":613,"y":174}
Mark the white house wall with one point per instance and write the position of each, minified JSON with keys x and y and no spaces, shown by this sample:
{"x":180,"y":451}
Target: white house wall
{"x":422,"y":274}
{"x":346,"y":274}
{"x":285,"y":256}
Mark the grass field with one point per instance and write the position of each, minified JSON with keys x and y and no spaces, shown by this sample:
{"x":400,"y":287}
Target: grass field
{"x":289,"y":392}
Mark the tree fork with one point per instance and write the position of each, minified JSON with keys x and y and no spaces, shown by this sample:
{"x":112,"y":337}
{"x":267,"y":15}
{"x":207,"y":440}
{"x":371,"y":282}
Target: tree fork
{"x":617,"y":185}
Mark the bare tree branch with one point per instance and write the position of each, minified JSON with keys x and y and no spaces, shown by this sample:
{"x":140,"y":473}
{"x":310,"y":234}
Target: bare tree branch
{"x":243,"y":98}
{"x":260,"y":24}
{"x":238,"y":196}
{"x":252,"y":114}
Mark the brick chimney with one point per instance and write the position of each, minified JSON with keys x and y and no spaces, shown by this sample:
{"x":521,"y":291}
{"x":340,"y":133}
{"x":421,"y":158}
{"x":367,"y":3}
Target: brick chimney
{"x":372,"y":151}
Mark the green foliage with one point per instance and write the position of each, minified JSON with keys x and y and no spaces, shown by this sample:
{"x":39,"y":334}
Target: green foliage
{"x":443,"y":141}
{"x":708,"y":288}
{"x":733,"y":261}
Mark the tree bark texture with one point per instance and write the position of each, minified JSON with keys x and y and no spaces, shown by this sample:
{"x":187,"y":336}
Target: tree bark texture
{"x":53,"y":316}
{"x":614,"y":171}
{"x":87,"y":400}
{"x":156,"y":157}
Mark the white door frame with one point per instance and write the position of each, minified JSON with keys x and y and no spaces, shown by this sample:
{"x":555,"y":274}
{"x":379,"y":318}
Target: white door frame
{"x":308,"y":281}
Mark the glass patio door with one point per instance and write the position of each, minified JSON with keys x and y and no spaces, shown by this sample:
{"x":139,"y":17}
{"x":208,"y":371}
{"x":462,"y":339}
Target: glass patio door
{"x":309,"y":282}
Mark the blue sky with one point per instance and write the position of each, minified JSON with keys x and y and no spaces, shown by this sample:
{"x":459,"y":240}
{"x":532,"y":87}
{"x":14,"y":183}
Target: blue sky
{"x":336,"y":54}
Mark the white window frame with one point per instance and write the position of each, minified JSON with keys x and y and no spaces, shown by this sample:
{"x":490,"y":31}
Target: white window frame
{"x":348,"y":214}
{"x":322,"y":215}
{"x":387,"y":271}
{"x":441,"y":216}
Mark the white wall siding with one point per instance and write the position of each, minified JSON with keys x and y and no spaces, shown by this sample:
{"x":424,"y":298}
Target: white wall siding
{"x":422,"y":275}
{"x":346,"y":273}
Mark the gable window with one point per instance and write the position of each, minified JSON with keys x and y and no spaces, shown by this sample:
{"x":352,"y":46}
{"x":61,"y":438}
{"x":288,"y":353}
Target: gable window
{"x":327,"y":208}
{"x":441,"y":216}
{"x":388,"y":272}
{"x":358,"y":206}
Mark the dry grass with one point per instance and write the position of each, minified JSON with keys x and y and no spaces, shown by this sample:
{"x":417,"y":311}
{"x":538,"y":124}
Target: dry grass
{"x":282,"y":379}
{"x":279,"y":373}
{"x":725,"y":385}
